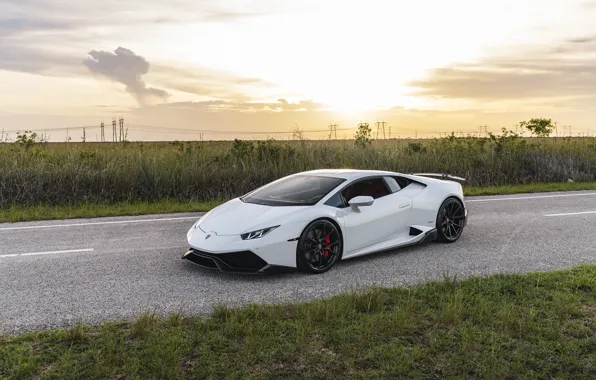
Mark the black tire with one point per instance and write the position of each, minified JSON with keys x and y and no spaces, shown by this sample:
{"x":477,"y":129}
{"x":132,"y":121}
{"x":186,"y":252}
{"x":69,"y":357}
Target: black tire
{"x":450,"y":220}
{"x":319,"y":247}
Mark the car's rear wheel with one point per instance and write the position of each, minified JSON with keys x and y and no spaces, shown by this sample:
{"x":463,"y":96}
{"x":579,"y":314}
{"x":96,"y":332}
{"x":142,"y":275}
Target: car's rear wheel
{"x":319,"y":247}
{"x":450,"y":220}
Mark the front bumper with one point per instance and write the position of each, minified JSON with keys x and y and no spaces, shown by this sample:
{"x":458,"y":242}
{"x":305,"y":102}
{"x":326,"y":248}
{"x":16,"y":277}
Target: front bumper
{"x":273,"y":252}
{"x":233,"y":262}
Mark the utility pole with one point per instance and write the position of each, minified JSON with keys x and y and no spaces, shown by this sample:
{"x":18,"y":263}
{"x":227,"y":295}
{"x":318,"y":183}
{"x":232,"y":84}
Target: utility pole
{"x":114,"y":135}
{"x":381,"y":124}
{"x":121,"y":124}
{"x":103,"y":136}
{"x":332,"y":130}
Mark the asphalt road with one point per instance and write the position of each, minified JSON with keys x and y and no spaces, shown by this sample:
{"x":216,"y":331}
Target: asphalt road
{"x":56,"y":273}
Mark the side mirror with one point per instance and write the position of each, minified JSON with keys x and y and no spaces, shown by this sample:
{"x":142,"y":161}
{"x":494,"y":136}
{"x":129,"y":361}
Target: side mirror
{"x":361,"y":201}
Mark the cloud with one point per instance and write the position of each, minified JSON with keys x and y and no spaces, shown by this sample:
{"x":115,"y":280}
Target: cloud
{"x":212,"y":83}
{"x":46,"y":36}
{"x":282,"y":105}
{"x":15,"y":25}
{"x":125,"y":67}
{"x":21,"y":16}
{"x":37,"y":60}
{"x":582,"y":40}
{"x":569,"y":70}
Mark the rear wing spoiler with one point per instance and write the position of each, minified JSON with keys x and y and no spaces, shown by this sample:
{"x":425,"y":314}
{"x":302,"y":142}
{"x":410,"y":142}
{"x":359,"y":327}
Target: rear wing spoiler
{"x":447,"y":177}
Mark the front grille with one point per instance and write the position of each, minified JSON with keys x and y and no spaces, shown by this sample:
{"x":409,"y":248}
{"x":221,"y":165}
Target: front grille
{"x":202,"y":261}
{"x":235,"y":261}
{"x":245,"y":259}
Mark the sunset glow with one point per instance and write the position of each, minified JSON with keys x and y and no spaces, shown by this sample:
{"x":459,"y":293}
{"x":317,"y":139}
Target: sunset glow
{"x":496,"y":60}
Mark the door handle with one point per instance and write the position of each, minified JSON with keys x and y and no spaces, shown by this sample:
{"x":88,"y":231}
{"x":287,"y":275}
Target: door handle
{"x":404,"y":205}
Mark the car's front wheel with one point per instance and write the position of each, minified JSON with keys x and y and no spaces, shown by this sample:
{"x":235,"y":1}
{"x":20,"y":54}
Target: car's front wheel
{"x":319,"y":247}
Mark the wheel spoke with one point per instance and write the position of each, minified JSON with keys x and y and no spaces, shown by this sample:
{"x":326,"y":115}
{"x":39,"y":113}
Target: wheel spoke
{"x":455,"y":231}
{"x":320,"y":260}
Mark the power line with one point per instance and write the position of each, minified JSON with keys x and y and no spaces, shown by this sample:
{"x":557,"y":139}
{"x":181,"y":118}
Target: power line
{"x":167,"y":130}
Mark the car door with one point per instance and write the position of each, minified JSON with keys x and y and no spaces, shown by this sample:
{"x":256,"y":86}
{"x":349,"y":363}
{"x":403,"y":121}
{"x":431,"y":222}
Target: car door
{"x":381,"y":221}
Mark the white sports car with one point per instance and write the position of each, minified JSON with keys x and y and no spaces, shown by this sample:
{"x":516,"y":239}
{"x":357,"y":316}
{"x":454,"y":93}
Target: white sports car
{"x":310,"y":220}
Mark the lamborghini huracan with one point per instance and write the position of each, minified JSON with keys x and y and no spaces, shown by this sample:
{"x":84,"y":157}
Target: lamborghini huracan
{"x":311,"y":220}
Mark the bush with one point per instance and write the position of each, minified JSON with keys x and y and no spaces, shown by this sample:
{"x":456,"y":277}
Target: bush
{"x":54,"y":174}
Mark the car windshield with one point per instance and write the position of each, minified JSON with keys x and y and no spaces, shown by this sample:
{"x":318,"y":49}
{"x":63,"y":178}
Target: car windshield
{"x":300,"y":190}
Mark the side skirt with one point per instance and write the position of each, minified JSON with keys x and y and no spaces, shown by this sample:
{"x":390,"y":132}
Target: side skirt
{"x":422,"y":238}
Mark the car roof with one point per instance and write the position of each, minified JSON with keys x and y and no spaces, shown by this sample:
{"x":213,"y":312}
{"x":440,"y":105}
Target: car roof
{"x":348,"y":174}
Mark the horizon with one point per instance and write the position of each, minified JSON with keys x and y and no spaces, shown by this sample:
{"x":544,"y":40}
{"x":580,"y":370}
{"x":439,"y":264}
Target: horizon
{"x":232,"y":70}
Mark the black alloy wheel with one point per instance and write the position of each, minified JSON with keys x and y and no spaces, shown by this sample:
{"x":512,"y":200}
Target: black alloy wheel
{"x":319,"y":247}
{"x":450,"y":220}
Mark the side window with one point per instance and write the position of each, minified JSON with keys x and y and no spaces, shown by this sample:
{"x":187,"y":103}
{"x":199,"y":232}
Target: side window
{"x":374,"y":187}
{"x":392,"y":183}
{"x":336,"y":201}
{"x":402,"y":182}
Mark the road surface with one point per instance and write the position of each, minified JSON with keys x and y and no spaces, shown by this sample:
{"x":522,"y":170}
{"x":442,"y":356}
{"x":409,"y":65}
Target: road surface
{"x":56,"y":273}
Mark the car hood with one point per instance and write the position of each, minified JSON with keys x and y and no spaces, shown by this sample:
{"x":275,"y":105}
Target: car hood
{"x":236,"y":217}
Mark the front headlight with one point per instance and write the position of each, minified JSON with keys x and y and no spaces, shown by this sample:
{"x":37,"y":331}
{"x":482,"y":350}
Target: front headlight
{"x":258,"y":233}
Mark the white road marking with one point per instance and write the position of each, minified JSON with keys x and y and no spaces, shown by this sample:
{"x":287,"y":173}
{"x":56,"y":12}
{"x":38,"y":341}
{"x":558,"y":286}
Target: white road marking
{"x":47,"y":253}
{"x":572,"y":213}
{"x":532,"y":197}
{"x":97,"y":223}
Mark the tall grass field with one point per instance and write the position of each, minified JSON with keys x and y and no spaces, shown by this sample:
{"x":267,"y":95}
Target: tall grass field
{"x":61,"y":174}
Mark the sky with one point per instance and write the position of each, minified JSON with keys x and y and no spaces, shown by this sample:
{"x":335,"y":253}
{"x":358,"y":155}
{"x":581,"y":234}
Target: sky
{"x":190,"y":69}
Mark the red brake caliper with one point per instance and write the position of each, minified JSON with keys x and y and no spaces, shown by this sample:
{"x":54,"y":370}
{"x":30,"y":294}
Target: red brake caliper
{"x":327,"y":242}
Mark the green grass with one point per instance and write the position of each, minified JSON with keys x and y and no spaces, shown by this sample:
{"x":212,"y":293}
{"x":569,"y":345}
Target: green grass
{"x":42,"y":212}
{"x":530,"y":188}
{"x":541,"y":325}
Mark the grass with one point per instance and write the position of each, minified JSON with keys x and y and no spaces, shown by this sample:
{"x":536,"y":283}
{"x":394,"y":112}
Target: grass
{"x":14,"y":214}
{"x":530,"y":188}
{"x":540,"y":325}
{"x":94,"y":173}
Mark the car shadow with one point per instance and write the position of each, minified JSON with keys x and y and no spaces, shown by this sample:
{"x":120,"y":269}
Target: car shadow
{"x":216,"y":274}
